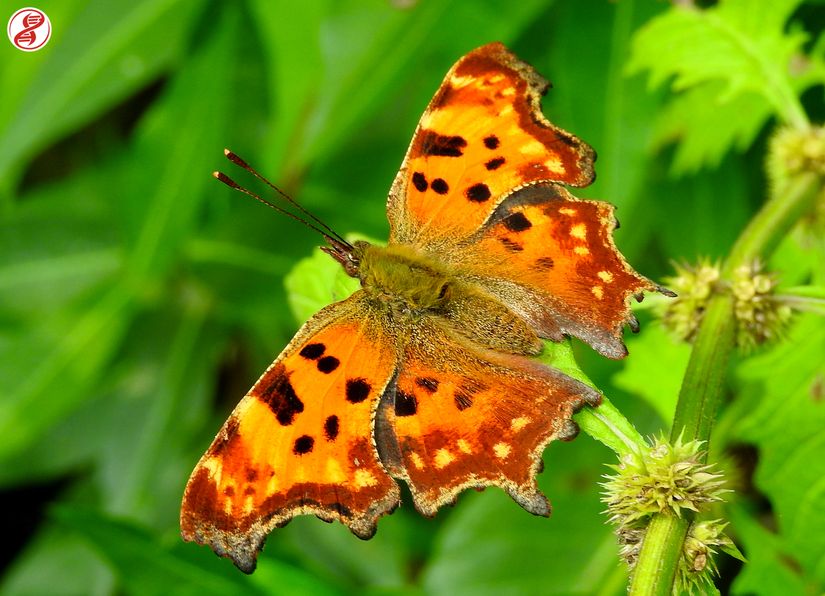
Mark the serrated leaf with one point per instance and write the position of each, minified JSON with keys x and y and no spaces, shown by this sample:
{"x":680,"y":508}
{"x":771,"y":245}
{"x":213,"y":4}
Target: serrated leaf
{"x":739,"y":56}
{"x":702,"y":108}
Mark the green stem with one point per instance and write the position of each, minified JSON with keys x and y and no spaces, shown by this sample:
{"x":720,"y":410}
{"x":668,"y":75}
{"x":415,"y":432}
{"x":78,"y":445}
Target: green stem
{"x":705,"y":375}
{"x":702,"y":385}
{"x":656,"y":567}
{"x":609,"y":426}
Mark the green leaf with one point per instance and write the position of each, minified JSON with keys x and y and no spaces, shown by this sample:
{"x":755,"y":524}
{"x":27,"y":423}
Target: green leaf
{"x":145,"y":566}
{"x":57,"y":562}
{"x":59,"y":360}
{"x":730,"y":56}
{"x":489,"y":545}
{"x":174,"y":144}
{"x":108,"y":50}
{"x":621,"y":128}
{"x":62,"y":357}
{"x":770,"y":568}
{"x":315,"y":282}
{"x":782,"y":412}
{"x":701,"y":108}
{"x":654,"y":369}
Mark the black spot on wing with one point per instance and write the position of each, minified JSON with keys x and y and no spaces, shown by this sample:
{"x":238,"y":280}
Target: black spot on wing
{"x":303,"y":445}
{"x":517,"y":222}
{"x":545,"y":263}
{"x":433,"y":143}
{"x":494,"y":164}
{"x":478,"y":193}
{"x":440,"y":186}
{"x":280,"y":396}
{"x":357,"y":390}
{"x":510,"y":245}
{"x":405,"y":403}
{"x":312,"y":351}
{"x":327,"y":364}
{"x":331,"y":428}
{"x":463,"y":399}
{"x":419,"y":182}
{"x":491,"y":142}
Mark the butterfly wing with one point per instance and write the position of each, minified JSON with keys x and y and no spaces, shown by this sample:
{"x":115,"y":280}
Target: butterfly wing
{"x":482,"y":136}
{"x":300,"y":442}
{"x":464,"y":417}
{"x":480,"y":188}
{"x":551,"y":258}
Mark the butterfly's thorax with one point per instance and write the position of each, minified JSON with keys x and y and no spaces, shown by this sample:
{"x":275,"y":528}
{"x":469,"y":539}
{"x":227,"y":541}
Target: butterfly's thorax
{"x":404,"y":279}
{"x":408,"y":285}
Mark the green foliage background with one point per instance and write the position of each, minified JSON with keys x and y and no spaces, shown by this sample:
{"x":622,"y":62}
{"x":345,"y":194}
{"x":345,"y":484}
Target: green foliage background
{"x":139,"y":299}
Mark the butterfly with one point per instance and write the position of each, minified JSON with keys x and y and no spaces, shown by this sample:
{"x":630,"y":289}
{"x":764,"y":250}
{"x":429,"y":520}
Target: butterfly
{"x":425,"y":374}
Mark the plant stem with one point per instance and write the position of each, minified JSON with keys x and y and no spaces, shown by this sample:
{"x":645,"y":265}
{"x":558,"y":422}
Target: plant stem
{"x":655,"y":571}
{"x":705,"y":375}
{"x":609,"y":426}
{"x":701,"y":390}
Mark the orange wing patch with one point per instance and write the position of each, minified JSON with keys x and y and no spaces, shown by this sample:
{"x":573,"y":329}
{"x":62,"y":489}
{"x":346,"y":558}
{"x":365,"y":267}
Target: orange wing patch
{"x":482,"y":136}
{"x":552,"y":258}
{"x":300,"y":442}
{"x":461,"y":420}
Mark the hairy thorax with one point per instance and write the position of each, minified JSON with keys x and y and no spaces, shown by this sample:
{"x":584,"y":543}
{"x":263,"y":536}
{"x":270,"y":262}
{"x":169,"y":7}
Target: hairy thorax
{"x":409,"y":285}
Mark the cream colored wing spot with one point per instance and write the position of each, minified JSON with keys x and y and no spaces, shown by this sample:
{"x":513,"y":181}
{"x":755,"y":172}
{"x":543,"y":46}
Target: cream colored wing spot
{"x":417,"y":461}
{"x":581,"y":250}
{"x":443,"y":458}
{"x":464,"y":447}
{"x":519,"y":423}
{"x":364,"y":478}
{"x":598,"y":292}
{"x":567,"y":211}
{"x":605,"y":276}
{"x":534,"y":147}
{"x":579,"y":231}
{"x":502,"y":450}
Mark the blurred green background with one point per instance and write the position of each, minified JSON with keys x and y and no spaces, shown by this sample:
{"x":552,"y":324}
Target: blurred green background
{"x":139,"y":298}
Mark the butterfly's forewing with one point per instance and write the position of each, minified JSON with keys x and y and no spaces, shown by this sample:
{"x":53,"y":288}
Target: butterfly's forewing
{"x":552,"y":258}
{"x":462,"y":417}
{"x":300,"y":442}
{"x":482,"y":136}
{"x":480,"y":187}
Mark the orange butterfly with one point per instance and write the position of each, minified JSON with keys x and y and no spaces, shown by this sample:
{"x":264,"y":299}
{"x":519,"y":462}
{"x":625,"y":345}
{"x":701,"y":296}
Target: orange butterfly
{"x":424,"y":375}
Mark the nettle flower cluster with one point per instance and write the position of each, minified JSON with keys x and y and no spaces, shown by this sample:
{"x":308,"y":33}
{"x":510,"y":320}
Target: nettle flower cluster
{"x":671,"y":479}
{"x":761,"y":314}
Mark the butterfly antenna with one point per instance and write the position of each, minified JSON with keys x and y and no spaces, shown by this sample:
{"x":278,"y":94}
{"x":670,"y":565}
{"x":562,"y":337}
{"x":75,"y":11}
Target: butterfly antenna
{"x":234,"y":158}
{"x":336,"y":241}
